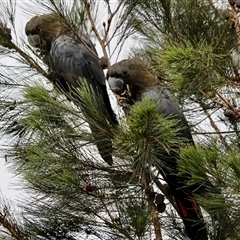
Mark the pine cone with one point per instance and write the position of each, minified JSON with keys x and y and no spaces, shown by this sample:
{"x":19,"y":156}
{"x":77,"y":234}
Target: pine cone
{"x":231,"y":115}
{"x":161,"y":207}
{"x":150,"y":193}
{"x":104,"y":62}
{"x":159,"y":198}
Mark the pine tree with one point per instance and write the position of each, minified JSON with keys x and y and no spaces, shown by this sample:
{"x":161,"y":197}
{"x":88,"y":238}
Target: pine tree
{"x":194,"y":47}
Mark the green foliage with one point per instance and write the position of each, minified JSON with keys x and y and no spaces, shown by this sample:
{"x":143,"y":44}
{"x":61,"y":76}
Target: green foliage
{"x":44,"y":115}
{"x":194,"y":69}
{"x":180,"y":20}
{"x":55,"y":158}
{"x":136,"y":216}
{"x":209,"y":163}
{"x":187,"y":46}
{"x":200,"y":161}
{"x":92,"y":105}
{"x":146,"y":135}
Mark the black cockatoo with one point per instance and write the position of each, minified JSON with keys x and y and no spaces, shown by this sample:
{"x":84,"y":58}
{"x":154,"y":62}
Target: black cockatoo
{"x":138,"y":78}
{"x":71,"y":55}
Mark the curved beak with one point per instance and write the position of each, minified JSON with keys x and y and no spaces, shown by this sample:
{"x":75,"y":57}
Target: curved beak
{"x":117,"y":85}
{"x":34,"y":40}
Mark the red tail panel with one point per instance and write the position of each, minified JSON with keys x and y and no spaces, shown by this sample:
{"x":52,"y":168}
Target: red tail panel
{"x":191,"y":215}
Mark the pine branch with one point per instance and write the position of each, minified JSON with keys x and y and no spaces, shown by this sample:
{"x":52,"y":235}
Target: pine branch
{"x":9,"y":225}
{"x":110,"y":20}
{"x":152,"y":207}
{"x":213,"y":133}
{"x":228,"y":104}
{"x":87,"y":7}
{"x":213,"y":124}
{"x":112,"y":224}
{"x":103,"y":40}
{"x":236,"y":24}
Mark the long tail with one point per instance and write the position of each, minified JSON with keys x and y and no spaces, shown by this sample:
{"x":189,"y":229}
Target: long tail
{"x":191,"y":215}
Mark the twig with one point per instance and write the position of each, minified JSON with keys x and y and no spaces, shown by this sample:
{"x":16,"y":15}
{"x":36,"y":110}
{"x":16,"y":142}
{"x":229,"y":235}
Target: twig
{"x":31,"y":61}
{"x":110,"y":20}
{"x":112,"y":224}
{"x":103,"y":41}
{"x":237,"y":112}
{"x":87,"y":7}
{"x":152,"y":208}
{"x":10,"y":227}
{"x":236,"y":26}
{"x":225,"y":103}
{"x":206,"y":133}
{"x":215,"y":127}
{"x":118,"y":26}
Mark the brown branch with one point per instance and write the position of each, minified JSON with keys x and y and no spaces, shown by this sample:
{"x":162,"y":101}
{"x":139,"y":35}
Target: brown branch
{"x":228,"y":104}
{"x":215,"y":127}
{"x":10,"y":227}
{"x":152,"y":208}
{"x":206,"y":133}
{"x":31,"y":61}
{"x":221,"y":104}
{"x":236,"y":26}
{"x":110,"y":20}
{"x":87,"y":7}
{"x":103,"y":40}
{"x":225,"y":102}
{"x":213,"y":99}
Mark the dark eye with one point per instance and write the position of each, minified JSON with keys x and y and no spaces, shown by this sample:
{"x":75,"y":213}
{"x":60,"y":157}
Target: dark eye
{"x":125,"y":72}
